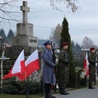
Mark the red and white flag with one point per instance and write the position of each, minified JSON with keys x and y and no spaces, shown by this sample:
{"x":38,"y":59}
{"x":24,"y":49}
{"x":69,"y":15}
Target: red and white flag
{"x":19,"y":66}
{"x":86,"y":65}
{"x":31,"y":65}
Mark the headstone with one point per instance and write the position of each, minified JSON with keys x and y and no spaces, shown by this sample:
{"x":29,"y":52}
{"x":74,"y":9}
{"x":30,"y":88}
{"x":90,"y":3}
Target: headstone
{"x":24,"y":35}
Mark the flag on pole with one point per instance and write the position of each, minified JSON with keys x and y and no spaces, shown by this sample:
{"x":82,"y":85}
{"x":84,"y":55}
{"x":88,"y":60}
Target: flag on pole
{"x":19,"y":66}
{"x":31,"y":65}
{"x":86,"y":65}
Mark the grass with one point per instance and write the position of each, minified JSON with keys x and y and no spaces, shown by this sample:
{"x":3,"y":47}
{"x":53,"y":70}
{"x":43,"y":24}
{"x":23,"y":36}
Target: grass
{"x":20,"y":96}
{"x":30,"y":96}
{"x":24,"y":96}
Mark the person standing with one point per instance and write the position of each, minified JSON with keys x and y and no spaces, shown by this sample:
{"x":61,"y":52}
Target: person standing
{"x":63,"y":68}
{"x":92,"y":67}
{"x":48,"y":69}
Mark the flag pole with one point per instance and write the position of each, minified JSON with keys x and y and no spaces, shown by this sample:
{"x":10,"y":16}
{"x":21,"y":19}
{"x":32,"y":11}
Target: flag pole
{"x":27,"y":88}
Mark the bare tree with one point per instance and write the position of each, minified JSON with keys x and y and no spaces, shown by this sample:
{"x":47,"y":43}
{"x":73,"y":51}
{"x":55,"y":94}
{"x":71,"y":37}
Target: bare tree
{"x":55,"y":34}
{"x":7,"y":14}
{"x":87,"y":43}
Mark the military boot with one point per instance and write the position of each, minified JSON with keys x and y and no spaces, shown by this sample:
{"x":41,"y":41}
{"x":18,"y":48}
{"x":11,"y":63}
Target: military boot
{"x":90,"y":86}
{"x":49,"y":96}
{"x":52,"y":96}
{"x":63,"y":92}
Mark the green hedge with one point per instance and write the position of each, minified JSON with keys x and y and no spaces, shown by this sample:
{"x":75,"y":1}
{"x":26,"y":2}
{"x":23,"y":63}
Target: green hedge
{"x":16,"y":87}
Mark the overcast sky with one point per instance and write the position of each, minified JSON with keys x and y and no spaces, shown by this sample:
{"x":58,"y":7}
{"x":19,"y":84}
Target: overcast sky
{"x":44,"y":18}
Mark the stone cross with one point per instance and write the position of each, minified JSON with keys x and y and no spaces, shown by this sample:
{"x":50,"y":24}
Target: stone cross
{"x":25,"y":9}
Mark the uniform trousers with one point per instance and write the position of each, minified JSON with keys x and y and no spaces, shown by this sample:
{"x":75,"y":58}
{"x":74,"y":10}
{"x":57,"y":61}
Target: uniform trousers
{"x":47,"y":89}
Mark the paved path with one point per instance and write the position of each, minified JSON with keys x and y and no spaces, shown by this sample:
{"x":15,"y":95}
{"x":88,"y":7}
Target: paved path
{"x":81,"y":93}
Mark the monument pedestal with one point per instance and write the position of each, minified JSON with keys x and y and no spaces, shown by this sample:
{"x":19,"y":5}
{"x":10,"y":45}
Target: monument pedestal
{"x":25,"y":36}
{"x":25,"y":29}
{"x":25,"y":40}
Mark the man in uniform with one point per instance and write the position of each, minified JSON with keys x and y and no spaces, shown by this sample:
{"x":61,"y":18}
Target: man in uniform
{"x":63,"y":68}
{"x":48,"y":69}
{"x":92,"y":67}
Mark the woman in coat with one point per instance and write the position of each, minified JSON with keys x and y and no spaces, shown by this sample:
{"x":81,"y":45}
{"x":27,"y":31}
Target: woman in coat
{"x":48,"y":69}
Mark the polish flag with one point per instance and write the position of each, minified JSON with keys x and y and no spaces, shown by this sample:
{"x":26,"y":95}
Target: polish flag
{"x":31,"y":65}
{"x":19,"y":66}
{"x":86,"y":65}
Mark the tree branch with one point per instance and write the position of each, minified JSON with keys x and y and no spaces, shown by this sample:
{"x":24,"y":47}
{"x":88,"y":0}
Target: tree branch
{"x":69,"y":3}
{"x":5,"y":13}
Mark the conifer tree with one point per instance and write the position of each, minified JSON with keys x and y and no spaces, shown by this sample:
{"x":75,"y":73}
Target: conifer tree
{"x":3,"y":35}
{"x":65,"y":36}
{"x":10,"y":36}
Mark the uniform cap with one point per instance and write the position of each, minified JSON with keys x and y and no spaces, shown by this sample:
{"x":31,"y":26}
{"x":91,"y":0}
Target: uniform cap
{"x":65,"y":43}
{"x":47,"y":43}
{"x":92,"y":48}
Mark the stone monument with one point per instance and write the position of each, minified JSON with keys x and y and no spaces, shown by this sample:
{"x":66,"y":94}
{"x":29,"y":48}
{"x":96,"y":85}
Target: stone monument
{"x":24,"y":35}
{"x":23,"y":40}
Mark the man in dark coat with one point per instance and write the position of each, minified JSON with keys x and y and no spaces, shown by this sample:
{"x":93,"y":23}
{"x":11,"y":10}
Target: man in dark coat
{"x":63,"y":68}
{"x":92,"y":66}
{"x":48,"y":69}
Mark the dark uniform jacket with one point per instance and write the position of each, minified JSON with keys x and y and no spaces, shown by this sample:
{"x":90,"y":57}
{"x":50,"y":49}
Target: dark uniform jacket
{"x":92,"y":60}
{"x":64,"y":58}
